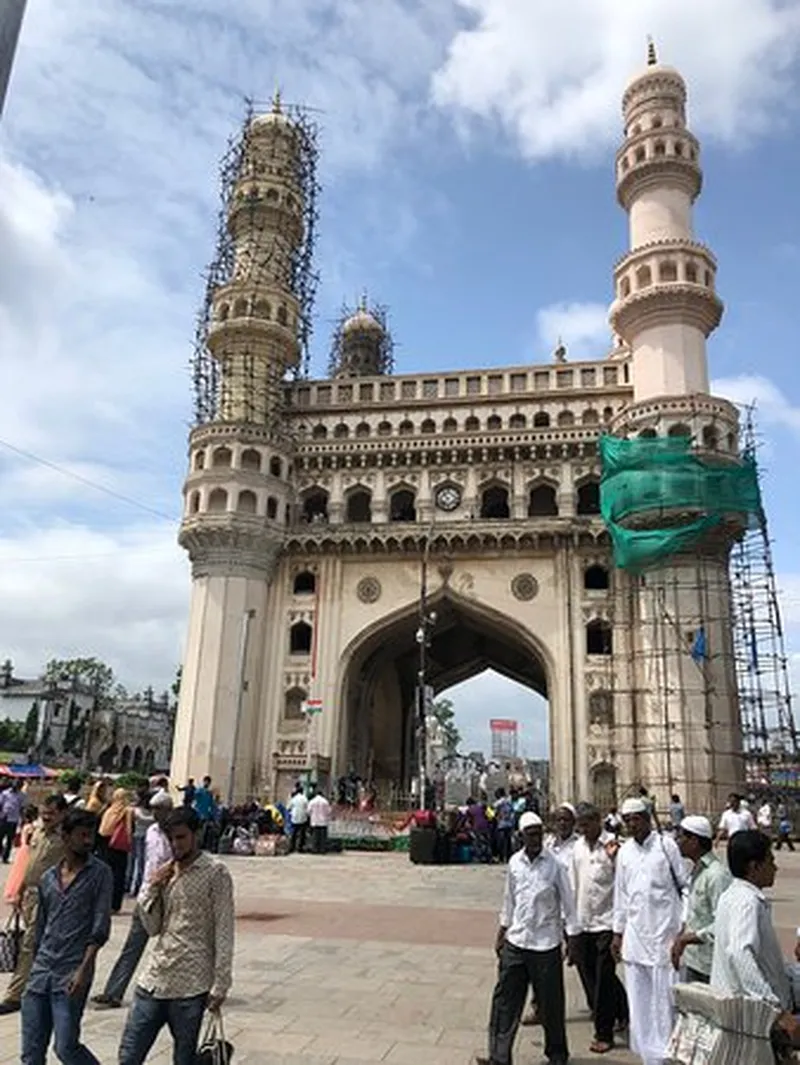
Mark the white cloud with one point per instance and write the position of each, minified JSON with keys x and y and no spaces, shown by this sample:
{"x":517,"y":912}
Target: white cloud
{"x":582,"y":327}
{"x":772,"y":406}
{"x":70,"y":590}
{"x":551,"y":73}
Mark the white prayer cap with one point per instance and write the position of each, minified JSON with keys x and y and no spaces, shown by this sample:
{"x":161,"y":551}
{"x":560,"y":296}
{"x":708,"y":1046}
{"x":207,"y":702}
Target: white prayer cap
{"x":697,"y":826}
{"x":634,"y":806}
{"x":567,"y":806}
{"x":529,"y":820}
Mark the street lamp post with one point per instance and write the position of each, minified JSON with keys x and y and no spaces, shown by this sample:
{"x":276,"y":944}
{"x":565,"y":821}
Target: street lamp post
{"x":427,"y":619}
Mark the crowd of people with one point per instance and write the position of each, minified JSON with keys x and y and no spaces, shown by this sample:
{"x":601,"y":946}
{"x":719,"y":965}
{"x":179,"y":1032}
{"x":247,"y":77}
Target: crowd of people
{"x":75,"y":860}
{"x":660,"y":903}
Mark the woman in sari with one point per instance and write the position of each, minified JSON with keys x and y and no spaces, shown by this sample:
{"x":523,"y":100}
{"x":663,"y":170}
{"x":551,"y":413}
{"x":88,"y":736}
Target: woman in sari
{"x":116,"y":838}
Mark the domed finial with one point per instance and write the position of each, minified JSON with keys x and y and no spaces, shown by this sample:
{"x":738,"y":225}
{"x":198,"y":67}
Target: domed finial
{"x":362,"y":306}
{"x":276,"y":100}
{"x":560,"y":354}
{"x":652,"y":57}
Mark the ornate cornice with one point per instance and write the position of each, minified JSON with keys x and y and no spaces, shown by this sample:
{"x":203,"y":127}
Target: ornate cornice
{"x":658,"y":172}
{"x":514,"y":535}
{"x":230,"y":545}
{"x":665,"y":304}
{"x":707,"y":407}
{"x":274,"y":434}
{"x":664,"y":247}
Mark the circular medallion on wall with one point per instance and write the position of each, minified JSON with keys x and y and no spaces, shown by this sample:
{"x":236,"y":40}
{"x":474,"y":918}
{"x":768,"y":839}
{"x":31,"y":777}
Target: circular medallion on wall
{"x":524,"y":586}
{"x":368,"y":590}
{"x":448,"y":497}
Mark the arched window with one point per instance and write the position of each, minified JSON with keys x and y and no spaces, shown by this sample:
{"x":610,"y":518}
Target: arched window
{"x":275,"y":467}
{"x":199,"y":460}
{"x":149,"y":761}
{"x":125,"y":758}
{"x":247,"y":502}
{"x":385,"y":429}
{"x":647,"y":434}
{"x":319,"y":432}
{"x":194,"y":502}
{"x":601,"y":708}
{"x":690,"y":273}
{"x":305,"y":583}
{"x":542,"y":502}
{"x":450,"y":425}
{"x":494,"y":423}
{"x":221,"y":458}
{"x":590,"y":417}
{"x":596,"y":579}
{"x":608,"y":414}
{"x":341,"y":431}
{"x":272,"y":508}
{"x":282,"y":315}
{"x":223,"y":312}
{"x":541,"y":420}
{"x":217,"y":500}
{"x":138,"y":759}
{"x":679,"y":429}
{"x":589,"y":498}
{"x":668,"y":270}
{"x":598,"y":638}
{"x":494,"y":502}
{"x":250,"y":460}
{"x":624,"y":288}
{"x":359,"y":506}
{"x":262,"y":309}
{"x":315,"y":505}
{"x":293,"y":704}
{"x":300,"y":636}
{"x":405,"y":428}
{"x":644,"y":277}
{"x":402,"y":505}
{"x":565,"y":419}
{"x":362,"y":430}
{"x":710,"y":437}
{"x":516,"y":421}
{"x":472,"y":424}
{"x":240,"y":309}
{"x":428,"y":426}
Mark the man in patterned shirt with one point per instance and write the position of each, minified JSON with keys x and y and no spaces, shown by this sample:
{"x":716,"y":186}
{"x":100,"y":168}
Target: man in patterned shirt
{"x":187,"y":910}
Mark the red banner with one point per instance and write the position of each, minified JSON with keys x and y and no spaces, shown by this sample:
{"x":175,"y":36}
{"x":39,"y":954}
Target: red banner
{"x":502,"y":724}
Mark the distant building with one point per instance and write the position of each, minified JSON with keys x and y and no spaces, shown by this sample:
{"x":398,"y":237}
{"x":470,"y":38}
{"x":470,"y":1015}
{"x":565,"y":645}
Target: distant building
{"x":505,"y":736}
{"x":67,"y":725}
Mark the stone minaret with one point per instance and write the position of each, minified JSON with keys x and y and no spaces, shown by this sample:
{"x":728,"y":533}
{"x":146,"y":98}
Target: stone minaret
{"x":11,"y":15}
{"x":238,"y":494}
{"x":683,"y":708}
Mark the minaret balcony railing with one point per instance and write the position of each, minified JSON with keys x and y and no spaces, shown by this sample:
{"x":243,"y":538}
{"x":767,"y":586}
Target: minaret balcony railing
{"x":637,"y":173}
{"x":264,"y":339}
{"x":670,"y":303}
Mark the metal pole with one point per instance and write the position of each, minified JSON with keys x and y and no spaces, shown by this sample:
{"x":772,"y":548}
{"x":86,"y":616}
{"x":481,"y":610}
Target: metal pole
{"x":244,"y":642}
{"x":11,"y":13}
{"x":422,"y":730}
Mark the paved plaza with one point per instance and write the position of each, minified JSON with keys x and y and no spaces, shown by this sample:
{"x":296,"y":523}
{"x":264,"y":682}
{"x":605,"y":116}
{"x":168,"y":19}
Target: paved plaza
{"x":366,"y":958}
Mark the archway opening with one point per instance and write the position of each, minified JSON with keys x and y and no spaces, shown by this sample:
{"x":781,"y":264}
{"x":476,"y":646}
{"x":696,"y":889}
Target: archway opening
{"x":472,"y":651}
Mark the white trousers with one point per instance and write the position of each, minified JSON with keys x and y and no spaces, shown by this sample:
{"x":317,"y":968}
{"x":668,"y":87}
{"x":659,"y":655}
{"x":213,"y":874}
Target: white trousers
{"x":652,"y":1009}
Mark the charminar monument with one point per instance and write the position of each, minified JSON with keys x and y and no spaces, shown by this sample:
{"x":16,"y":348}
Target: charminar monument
{"x":312,"y":508}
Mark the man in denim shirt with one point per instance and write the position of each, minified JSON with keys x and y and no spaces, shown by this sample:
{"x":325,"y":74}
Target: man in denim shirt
{"x":73,"y":923}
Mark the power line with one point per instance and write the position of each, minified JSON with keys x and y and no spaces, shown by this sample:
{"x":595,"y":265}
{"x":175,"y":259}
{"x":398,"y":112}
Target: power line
{"x":86,"y":480}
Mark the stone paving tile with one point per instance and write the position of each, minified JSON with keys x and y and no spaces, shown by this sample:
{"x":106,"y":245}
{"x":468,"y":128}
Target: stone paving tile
{"x":319,"y":990}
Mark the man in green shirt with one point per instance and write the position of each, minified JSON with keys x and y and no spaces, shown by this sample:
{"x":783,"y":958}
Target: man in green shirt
{"x":695,"y":945}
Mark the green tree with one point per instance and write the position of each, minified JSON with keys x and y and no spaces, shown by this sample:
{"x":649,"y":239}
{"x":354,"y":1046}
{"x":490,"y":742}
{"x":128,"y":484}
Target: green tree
{"x":444,"y":713}
{"x":90,"y":672}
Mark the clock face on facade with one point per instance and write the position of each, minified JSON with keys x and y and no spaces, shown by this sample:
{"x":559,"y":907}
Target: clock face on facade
{"x":448,"y":497}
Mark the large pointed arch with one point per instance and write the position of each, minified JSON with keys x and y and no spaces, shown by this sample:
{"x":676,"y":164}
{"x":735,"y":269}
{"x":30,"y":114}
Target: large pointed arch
{"x":378,"y":668}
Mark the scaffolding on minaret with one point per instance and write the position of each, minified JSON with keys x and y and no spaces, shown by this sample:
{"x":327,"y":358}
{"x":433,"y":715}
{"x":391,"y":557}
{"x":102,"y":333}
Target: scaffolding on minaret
{"x":302,"y":281}
{"x":769,"y":732}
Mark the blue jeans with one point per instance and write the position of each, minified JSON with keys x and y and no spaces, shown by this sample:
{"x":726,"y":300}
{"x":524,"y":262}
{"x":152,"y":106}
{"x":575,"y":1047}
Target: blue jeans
{"x":53,"y":1013}
{"x":129,"y":957}
{"x":148,"y":1015}
{"x":135,"y":872}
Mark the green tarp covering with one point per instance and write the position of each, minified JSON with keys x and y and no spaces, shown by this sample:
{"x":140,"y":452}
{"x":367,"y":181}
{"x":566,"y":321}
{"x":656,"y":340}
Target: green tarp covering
{"x":683,"y":494}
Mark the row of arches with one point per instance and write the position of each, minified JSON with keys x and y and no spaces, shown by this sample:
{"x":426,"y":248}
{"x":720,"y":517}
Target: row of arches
{"x":595,"y":578}
{"x":494,"y":423}
{"x":250,"y":459}
{"x":494,"y":503}
{"x":658,"y":148}
{"x":667,"y":271}
{"x":247,"y":502}
{"x":256,"y":307}
{"x":137,"y":759}
{"x":709,"y":435}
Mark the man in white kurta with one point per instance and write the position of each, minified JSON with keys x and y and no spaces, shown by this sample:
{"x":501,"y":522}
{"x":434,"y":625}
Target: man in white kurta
{"x":649,"y":885}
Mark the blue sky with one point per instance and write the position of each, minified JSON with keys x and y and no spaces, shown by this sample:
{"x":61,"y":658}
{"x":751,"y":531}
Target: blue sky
{"x":467,"y":153}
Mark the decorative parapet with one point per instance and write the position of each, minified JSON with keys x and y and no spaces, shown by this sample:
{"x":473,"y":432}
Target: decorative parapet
{"x":229,"y":545}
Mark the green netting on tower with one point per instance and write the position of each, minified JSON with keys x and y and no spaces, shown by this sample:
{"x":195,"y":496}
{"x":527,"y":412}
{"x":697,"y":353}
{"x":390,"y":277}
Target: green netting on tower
{"x":686,"y":495}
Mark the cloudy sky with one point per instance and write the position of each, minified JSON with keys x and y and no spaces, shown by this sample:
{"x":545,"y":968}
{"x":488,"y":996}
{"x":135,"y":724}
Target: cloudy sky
{"x":467,"y":172}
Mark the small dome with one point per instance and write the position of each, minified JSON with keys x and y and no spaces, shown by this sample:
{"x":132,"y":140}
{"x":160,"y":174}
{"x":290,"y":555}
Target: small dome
{"x":275,"y":117}
{"x":653,"y":70}
{"x":362,"y":322}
